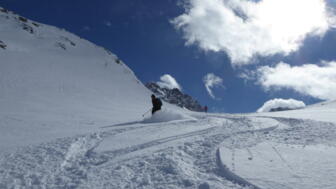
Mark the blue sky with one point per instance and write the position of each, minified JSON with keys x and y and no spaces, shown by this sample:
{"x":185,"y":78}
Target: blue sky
{"x":142,"y":34}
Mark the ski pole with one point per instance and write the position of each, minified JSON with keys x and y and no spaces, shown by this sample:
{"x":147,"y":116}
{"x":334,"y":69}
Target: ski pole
{"x":146,"y":113}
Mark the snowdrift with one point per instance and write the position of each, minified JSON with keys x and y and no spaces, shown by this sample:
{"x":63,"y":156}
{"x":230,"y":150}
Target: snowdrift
{"x":166,"y":115}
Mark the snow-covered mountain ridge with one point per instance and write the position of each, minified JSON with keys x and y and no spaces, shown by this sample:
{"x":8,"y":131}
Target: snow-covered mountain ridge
{"x":175,"y":96}
{"x":51,"y":78}
{"x":324,"y":111}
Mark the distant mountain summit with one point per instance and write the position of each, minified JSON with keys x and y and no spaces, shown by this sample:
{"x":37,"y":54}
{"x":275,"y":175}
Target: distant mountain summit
{"x":175,"y":96}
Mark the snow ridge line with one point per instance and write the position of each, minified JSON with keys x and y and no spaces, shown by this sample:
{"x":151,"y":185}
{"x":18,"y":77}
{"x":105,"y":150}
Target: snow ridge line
{"x":229,"y":175}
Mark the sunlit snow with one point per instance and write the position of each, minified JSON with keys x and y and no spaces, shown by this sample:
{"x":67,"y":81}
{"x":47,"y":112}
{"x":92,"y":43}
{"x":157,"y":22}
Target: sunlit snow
{"x":73,"y":116}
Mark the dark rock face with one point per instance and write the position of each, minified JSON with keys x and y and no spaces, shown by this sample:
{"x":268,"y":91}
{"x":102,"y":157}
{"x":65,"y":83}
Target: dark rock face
{"x":175,"y":96}
{"x":3,"y":10}
{"x":280,"y":109}
{"x":28,"y":28}
{"x":22,"y":19}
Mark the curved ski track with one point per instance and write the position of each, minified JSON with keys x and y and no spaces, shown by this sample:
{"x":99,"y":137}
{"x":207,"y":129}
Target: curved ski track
{"x":185,"y":160}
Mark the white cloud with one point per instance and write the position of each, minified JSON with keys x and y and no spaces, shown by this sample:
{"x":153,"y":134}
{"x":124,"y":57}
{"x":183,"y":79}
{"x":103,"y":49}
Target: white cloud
{"x":167,"y":81}
{"x":245,"y":28}
{"x":210,"y":81}
{"x":284,"y":104}
{"x":309,"y":79}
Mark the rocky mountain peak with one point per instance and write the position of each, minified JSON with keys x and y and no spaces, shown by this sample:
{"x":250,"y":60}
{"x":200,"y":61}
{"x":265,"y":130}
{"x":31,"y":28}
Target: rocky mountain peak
{"x":175,"y":96}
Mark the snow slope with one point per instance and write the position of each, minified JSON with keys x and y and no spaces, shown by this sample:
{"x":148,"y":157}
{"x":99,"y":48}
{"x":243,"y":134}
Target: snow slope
{"x":197,"y":151}
{"x":71,"y":118}
{"x":55,"y":84}
{"x":298,"y":153}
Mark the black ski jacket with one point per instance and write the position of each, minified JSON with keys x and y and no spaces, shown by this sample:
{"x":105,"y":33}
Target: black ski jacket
{"x":156,"y":105}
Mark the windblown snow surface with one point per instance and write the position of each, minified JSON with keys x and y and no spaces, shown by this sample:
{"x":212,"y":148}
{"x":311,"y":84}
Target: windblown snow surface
{"x":73,"y":119}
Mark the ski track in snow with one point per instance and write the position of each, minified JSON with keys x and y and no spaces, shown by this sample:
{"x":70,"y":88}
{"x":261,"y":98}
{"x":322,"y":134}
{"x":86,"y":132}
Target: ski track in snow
{"x":185,"y":160}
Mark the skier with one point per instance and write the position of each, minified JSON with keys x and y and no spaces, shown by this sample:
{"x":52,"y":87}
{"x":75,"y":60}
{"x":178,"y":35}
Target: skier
{"x":156,"y":104}
{"x":205,"y":109}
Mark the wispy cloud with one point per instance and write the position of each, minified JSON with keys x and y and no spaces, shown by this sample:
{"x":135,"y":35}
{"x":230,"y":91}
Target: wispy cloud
{"x":210,"y":81}
{"x":318,"y":81}
{"x":244,"y":29}
{"x":167,"y":81}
